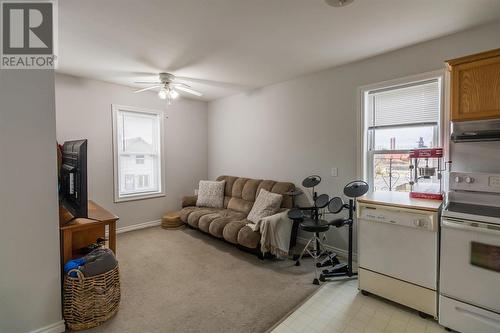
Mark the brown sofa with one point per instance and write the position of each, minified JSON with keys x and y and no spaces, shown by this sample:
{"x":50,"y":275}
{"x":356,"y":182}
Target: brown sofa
{"x":230,"y":222}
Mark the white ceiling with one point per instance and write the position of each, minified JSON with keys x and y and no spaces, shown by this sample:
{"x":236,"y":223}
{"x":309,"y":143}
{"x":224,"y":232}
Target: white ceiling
{"x":234,"y":45}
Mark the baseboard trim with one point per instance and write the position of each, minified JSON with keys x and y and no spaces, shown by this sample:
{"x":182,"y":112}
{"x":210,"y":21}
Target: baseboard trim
{"x":343,"y":253}
{"x":138,"y":226}
{"x":57,"y":327}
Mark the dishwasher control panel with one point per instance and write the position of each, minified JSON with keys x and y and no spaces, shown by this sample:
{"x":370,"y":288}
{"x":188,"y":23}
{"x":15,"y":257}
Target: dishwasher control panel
{"x":401,"y":217}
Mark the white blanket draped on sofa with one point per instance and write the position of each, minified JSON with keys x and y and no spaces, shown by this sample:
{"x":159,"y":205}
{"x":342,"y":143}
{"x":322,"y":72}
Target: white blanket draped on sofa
{"x":275,"y":233}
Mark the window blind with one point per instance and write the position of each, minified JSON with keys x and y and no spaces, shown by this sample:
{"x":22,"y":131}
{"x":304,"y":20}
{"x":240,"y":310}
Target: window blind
{"x":416,"y":103}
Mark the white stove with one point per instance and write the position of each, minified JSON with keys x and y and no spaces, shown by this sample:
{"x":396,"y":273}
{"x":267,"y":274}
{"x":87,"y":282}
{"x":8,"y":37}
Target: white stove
{"x":469,"y":292}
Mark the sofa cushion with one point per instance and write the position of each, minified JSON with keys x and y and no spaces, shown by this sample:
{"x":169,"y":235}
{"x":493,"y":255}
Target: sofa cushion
{"x":228,"y":188}
{"x":282,"y":188}
{"x":195,"y":216}
{"x":240,"y":205}
{"x":205,"y":220}
{"x":235,"y":215}
{"x":218,"y":225}
{"x":238,"y":188}
{"x":211,"y":194}
{"x":230,"y":232}
{"x":243,"y":194}
{"x":248,"y":238}
{"x":189,"y":201}
{"x":184,"y":212}
{"x":266,"y":204}
{"x":266,"y":185}
{"x":249,"y":190}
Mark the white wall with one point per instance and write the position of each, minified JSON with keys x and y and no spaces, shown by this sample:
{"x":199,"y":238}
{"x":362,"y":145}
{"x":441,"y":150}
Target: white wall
{"x":308,"y":125}
{"x":83,"y":110}
{"x":30,"y":289}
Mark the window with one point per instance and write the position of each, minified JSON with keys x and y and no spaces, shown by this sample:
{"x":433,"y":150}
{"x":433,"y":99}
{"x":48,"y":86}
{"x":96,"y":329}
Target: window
{"x":137,"y":141}
{"x":398,"y":117}
{"x":129,"y":182}
{"x":139,"y":159}
{"x":143,"y":181}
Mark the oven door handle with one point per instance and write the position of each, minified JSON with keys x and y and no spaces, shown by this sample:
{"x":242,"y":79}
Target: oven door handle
{"x":471,"y":226}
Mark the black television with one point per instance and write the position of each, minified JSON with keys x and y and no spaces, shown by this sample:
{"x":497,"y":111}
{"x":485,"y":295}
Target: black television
{"x":73,"y":186}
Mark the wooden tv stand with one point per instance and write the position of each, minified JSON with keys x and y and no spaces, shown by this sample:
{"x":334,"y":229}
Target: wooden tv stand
{"x":80,"y":232}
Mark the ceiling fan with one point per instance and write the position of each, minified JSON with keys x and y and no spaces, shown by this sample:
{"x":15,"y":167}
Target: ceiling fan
{"x":169,"y":86}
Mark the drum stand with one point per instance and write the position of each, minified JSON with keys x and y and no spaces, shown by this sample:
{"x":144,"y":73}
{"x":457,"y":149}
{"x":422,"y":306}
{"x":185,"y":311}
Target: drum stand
{"x":352,"y":190}
{"x":314,"y":214}
{"x":316,"y":253}
{"x":341,"y":269}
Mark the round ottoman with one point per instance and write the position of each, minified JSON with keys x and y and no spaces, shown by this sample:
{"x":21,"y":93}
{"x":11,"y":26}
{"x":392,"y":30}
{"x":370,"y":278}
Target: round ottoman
{"x":171,"y":221}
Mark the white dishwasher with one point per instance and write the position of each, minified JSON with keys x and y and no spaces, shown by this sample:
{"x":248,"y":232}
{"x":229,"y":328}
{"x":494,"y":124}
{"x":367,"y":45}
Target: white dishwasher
{"x":398,"y":254}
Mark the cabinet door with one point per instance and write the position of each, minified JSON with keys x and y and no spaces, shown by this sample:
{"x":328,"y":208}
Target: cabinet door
{"x":476,"y":90}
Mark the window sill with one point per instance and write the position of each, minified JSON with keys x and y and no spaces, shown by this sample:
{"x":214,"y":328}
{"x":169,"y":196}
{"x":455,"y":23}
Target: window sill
{"x":139,"y":197}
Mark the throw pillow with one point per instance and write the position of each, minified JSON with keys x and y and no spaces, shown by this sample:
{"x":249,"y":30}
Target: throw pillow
{"x":211,"y":194}
{"x":266,"y":204}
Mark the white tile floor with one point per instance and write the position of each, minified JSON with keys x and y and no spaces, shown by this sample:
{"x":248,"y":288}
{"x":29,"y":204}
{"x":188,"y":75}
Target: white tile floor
{"x":338,"y":307}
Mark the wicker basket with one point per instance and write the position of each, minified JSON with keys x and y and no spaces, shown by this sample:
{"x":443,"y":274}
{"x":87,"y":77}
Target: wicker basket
{"x":90,"y":301}
{"x":172,"y":221}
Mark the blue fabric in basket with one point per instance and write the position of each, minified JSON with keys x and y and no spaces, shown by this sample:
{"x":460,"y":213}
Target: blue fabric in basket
{"x":73,"y":264}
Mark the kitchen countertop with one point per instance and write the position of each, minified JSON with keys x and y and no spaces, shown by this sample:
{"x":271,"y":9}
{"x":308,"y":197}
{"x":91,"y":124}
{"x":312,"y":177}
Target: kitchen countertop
{"x":400,"y":199}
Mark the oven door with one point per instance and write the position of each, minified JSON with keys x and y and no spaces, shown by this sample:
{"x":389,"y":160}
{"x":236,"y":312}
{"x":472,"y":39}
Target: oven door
{"x":470,"y":262}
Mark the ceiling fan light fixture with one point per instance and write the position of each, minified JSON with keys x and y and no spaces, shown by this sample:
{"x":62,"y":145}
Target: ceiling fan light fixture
{"x":163,"y":93}
{"x":168,"y":85}
{"x":338,"y":3}
{"x":174,"y":94}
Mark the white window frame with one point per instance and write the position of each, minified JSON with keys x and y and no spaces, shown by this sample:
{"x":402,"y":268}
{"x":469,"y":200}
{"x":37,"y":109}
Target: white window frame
{"x":364,"y":157}
{"x":161,"y":160}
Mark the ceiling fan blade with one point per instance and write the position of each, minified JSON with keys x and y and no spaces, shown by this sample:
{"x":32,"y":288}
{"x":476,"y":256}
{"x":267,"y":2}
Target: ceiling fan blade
{"x":148,"y":82}
{"x":219,"y":84}
{"x":148,"y":88}
{"x":189,"y":90}
{"x":180,"y":84}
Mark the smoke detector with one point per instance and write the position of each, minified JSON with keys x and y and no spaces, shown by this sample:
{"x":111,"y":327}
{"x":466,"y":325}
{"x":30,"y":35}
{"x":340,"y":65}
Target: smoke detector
{"x":338,"y":3}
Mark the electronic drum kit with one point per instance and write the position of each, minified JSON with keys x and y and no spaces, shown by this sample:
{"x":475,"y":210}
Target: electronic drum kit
{"x":312,"y":219}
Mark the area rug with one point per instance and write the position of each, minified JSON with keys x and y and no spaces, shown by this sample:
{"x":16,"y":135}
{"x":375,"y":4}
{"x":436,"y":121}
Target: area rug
{"x":187,"y":281}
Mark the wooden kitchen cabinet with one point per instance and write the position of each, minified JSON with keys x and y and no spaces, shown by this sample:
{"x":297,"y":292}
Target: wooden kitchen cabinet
{"x":475,"y":86}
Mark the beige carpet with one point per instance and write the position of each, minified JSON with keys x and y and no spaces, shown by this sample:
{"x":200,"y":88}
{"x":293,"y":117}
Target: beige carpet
{"x":186,"y":281}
